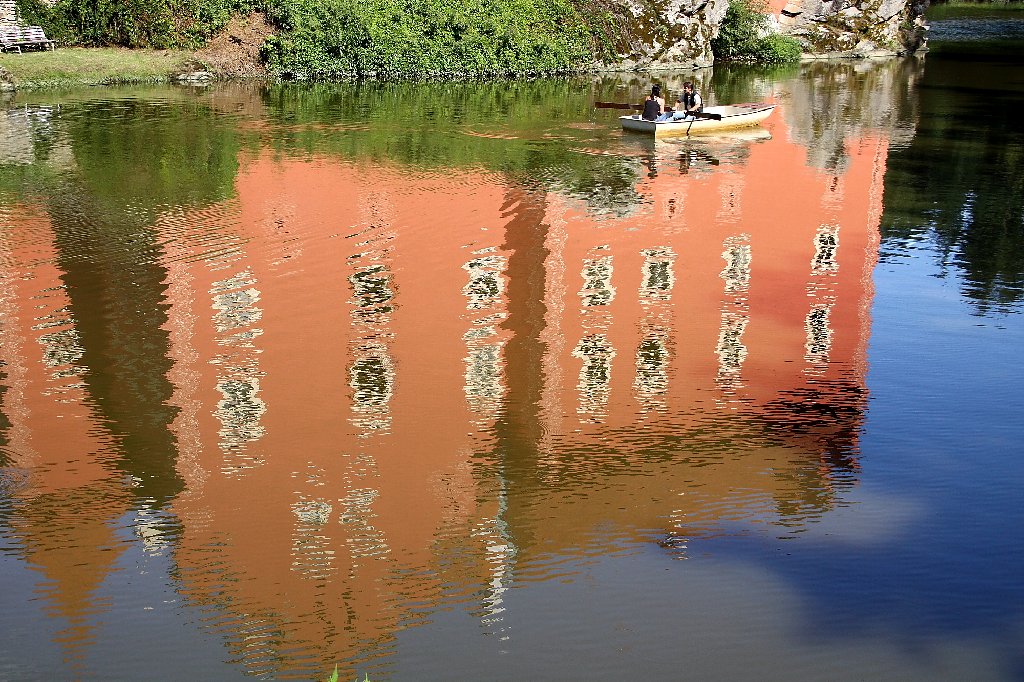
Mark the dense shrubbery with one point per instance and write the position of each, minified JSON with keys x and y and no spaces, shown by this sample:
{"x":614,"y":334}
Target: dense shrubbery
{"x":131,"y":23}
{"x":347,"y":37}
{"x":395,"y":38}
{"x":423,"y":37}
{"x":745,"y":36}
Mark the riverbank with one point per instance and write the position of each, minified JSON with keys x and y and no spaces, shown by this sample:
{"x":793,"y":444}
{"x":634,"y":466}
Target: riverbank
{"x":75,"y":66}
{"x":234,"y":53}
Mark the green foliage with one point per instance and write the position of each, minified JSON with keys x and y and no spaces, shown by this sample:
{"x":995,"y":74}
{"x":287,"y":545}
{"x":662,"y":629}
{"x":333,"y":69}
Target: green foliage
{"x":158,"y":24}
{"x":425,"y":125}
{"x":334,"y":676}
{"x":744,"y":36}
{"x":778,"y":49}
{"x":135,"y":155}
{"x":349,"y":38}
{"x":415,"y":38}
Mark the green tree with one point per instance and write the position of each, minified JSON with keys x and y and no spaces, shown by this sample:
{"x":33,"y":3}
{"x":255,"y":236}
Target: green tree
{"x":745,"y":35}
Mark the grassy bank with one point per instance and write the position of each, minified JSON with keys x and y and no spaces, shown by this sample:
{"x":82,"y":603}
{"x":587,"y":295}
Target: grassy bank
{"x":93,"y":66}
{"x":348,"y":39}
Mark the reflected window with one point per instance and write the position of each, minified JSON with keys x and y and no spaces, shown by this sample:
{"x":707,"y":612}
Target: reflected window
{"x":658,"y":276}
{"x":737,"y":256}
{"x":312,"y":555}
{"x":651,"y":366}
{"x":371,"y":378}
{"x":62,"y":349}
{"x":819,"y":333}
{"x":597,"y":282}
{"x":596,"y":374}
{"x":364,"y":540}
{"x":372,"y":291}
{"x":371,"y":374}
{"x":485,"y":284}
{"x":483,"y":377}
{"x":236,"y":307}
{"x":826,"y":243}
{"x":239,"y":411}
{"x":730,"y":349}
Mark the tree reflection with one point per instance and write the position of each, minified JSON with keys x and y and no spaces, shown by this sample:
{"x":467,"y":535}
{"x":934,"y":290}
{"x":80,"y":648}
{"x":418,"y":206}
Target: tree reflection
{"x":960,"y":183}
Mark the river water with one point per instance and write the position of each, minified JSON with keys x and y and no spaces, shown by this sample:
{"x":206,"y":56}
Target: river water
{"x":459,"y":381}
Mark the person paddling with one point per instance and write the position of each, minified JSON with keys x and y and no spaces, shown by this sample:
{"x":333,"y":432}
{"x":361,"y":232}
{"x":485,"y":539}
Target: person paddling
{"x":691,"y":100}
{"x":654,"y":104}
{"x":688,"y":104}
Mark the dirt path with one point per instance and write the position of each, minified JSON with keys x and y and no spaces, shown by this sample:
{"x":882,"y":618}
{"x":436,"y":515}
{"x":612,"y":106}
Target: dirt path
{"x":235,"y":52}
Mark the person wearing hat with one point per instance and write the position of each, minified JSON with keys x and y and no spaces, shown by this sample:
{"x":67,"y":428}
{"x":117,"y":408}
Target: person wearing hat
{"x":654,"y":104}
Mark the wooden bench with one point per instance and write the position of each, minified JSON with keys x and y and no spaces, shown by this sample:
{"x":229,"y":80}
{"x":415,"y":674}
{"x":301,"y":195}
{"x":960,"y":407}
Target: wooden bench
{"x":17,"y":37}
{"x":9,"y":37}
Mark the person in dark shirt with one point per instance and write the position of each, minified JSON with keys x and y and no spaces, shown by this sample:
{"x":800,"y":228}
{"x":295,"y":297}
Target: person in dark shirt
{"x":654,"y":104}
{"x":688,"y":104}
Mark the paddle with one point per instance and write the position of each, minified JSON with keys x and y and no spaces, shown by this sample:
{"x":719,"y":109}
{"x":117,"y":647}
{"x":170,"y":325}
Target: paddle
{"x":623,"y":105}
{"x":617,"y":105}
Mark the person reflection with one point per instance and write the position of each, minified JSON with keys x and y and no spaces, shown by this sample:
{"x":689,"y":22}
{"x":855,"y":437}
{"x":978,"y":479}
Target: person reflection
{"x":690,"y":157}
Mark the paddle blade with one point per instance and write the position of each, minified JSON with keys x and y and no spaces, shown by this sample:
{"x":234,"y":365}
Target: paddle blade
{"x":616,"y":105}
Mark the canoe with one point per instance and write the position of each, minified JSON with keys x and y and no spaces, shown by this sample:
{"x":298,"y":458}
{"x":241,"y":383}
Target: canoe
{"x":724,"y":118}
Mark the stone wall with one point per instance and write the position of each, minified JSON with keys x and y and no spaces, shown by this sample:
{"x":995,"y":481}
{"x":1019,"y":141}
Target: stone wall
{"x":856,"y":28}
{"x":668,"y":34}
{"x":677,"y":34}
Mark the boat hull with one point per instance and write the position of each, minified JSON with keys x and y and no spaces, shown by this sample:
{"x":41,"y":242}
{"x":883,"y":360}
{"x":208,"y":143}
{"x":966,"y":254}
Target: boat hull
{"x":733,"y":116}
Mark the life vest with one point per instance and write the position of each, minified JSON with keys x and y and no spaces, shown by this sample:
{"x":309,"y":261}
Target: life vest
{"x":652,"y":109}
{"x":690,"y":100}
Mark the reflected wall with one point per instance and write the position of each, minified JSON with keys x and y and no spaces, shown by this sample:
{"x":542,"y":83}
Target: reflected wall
{"x":384,"y":389}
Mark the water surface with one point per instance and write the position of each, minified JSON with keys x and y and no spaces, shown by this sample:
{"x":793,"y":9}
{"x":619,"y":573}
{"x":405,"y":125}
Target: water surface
{"x":459,"y":381}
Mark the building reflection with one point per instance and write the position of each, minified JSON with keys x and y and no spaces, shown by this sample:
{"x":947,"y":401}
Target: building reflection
{"x":392,"y":390}
{"x":62,"y":470}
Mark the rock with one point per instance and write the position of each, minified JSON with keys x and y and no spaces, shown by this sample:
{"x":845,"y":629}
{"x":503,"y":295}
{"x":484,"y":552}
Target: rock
{"x":194,"y":77}
{"x":6,"y":80}
{"x":855,"y":29}
{"x":668,"y":34}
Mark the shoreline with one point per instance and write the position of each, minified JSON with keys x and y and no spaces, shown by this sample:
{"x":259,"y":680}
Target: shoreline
{"x":74,"y":67}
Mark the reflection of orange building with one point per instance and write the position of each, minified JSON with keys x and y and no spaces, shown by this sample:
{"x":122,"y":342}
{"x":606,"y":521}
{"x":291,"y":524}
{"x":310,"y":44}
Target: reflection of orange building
{"x":393,"y":388}
{"x":389,"y":370}
{"x":68,"y":494}
{"x":321,"y":387}
{"x":724,"y":323}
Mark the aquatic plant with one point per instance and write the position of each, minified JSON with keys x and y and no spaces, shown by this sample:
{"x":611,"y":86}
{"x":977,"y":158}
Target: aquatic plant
{"x":334,"y":676}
